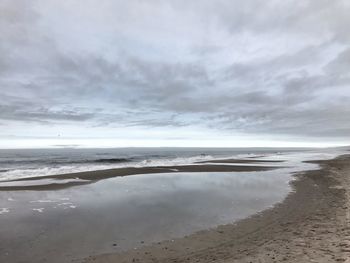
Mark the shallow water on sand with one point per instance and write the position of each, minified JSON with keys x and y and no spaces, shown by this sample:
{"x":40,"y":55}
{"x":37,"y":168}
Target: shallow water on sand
{"x":130,"y":211}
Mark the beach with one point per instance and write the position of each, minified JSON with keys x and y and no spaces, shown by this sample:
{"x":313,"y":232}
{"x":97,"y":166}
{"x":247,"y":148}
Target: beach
{"x":311,"y":225}
{"x":174,"y":131}
{"x":259,"y":209}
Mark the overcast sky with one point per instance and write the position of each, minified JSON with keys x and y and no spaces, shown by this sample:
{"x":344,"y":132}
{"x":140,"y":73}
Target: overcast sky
{"x":174,"y":73}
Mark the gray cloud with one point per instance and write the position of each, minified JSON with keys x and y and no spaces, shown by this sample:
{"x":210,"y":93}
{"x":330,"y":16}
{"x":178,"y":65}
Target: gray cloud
{"x":259,"y":68}
{"x":30,"y":113}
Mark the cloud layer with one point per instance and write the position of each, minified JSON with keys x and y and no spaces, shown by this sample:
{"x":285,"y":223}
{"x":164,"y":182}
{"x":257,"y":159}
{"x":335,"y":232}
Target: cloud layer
{"x":102,"y":68}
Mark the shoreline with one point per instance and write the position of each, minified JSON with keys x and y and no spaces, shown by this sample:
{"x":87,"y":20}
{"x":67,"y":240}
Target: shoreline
{"x":311,"y":225}
{"x":94,"y":176}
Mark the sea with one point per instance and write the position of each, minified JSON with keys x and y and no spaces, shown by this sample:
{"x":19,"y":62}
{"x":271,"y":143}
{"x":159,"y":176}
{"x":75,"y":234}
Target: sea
{"x":22,"y":163}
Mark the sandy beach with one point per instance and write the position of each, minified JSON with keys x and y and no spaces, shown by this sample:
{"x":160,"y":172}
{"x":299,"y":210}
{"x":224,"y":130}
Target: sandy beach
{"x":75,"y":221}
{"x":311,"y":225}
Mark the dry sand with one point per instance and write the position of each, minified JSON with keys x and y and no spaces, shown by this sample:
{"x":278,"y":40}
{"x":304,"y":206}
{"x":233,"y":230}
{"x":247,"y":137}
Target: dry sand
{"x":311,"y":225}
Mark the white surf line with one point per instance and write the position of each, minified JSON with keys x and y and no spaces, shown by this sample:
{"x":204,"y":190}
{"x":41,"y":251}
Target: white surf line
{"x":67,"y":205}
{"x":43,"y":201}
{"x":4,"y":210}
{"x":40,"y":210}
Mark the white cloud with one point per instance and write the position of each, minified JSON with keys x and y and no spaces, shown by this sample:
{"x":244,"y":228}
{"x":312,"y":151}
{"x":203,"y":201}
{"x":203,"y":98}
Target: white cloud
{"x":262,"y":69}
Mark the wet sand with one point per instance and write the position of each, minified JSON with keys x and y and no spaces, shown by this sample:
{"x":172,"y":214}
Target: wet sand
{"x":311,"y":225}
{"x":94,"y":176}
{"x":250,"y":161}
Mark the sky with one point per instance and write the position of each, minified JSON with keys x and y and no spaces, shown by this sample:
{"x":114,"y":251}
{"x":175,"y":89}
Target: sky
{"x":223,"y":73}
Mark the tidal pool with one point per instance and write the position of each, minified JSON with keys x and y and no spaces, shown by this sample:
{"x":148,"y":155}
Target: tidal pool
{"x":128,"y":212}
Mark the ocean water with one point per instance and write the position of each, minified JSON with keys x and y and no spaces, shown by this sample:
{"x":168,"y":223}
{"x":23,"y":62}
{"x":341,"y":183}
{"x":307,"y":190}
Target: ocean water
{"x":23,"y":163}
